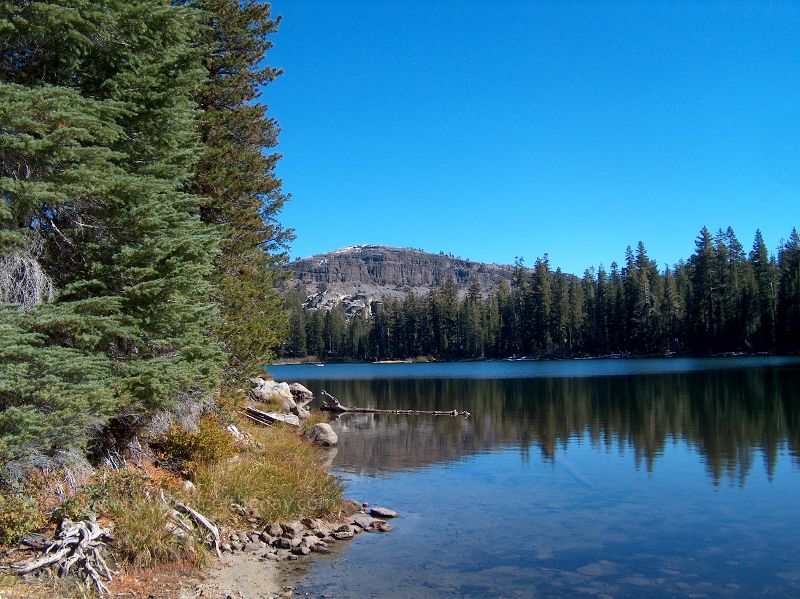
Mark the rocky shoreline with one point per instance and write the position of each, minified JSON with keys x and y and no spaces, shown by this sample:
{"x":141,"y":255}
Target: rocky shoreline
{"x":290,"y":541}
{"x":255,"y":561}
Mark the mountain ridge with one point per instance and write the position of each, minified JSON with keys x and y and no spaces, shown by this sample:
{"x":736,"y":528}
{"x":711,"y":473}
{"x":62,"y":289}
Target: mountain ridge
{"x":359,"y":275}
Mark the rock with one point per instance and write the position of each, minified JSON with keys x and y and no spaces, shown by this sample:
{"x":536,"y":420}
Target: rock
{"x":283,"y":543}
{"x":321,"y":532}
{"x":295,"y":541}
{"x":292,"y":529}
{"x":237,"y":546}
{"x":226,"y":547}
{"x":253,"y":537}
{"x":301,"y":550}
{"x":293,"y":557}
{"x":382,"y":512}
{"x":300,"y":412}
{"x":320,"y":548}
{"x":341,"y":536}
{"x":188,"y":486}
{"x":322,"y":434}
{"x":251,"y":547}
{"x":300,"y":392}
{"x":312,"y":523}
{"x":363,"y":521}
{"x":266,"y":391}
{"x":234,"y":432}
{"x":266,"y":537}
{"x":274,"y":530}
{"x":272,"y":557}
{"x":383,"y":527}
{"x":345,"y":528}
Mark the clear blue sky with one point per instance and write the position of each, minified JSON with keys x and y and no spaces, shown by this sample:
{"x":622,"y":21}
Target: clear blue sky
{"x":499,"y":129}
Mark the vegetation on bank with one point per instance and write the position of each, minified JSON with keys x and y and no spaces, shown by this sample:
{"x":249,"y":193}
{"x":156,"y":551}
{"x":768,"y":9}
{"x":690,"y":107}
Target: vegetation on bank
{"x":140,"y":253}
{"x":719,"y":300}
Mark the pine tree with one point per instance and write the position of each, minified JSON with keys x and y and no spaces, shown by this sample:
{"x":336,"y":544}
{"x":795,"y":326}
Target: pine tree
{"x":789,"y":293}
{"x":236,"y":178}
{"x":765,"y":304}
{"x":98,"y":136}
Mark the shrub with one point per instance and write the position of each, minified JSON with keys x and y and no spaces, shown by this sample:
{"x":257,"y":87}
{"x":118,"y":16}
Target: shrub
{"x":18,"y":516}
{"x":188,"y":449}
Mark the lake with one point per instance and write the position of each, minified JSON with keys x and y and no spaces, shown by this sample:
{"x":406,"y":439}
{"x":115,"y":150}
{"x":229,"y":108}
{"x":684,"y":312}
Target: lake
{"x":582,"y":478}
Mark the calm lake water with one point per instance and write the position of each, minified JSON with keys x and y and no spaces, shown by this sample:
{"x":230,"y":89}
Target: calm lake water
{"x":586,"y":478}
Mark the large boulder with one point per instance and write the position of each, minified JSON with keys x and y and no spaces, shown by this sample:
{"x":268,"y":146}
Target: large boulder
{"x":300,"y":392}
{"x":267,"y":391}
{"x":322,"y":434}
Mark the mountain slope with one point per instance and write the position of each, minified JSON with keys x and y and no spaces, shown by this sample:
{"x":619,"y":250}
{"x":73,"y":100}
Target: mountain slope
{"x":361,"y":274}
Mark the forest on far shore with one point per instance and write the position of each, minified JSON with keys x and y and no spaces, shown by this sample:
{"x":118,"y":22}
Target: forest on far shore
{"x":721,"y":299}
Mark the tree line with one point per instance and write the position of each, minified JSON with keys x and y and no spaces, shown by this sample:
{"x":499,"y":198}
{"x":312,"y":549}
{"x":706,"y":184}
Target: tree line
{"x":139,"y":246}
{"x":721,"y":299}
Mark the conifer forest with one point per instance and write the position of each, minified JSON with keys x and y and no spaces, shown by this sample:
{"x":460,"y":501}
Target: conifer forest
{"x":722,"y":299}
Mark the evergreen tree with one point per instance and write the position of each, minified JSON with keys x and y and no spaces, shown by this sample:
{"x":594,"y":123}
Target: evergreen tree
{"x":98,"y":137}
{"x":789,"y":293}
{"x":765,"y":296}
{"x":236,"y":178}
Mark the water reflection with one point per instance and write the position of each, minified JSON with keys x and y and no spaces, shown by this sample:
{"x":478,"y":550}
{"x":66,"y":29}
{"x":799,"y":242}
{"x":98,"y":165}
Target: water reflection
{"x":733,"y":418}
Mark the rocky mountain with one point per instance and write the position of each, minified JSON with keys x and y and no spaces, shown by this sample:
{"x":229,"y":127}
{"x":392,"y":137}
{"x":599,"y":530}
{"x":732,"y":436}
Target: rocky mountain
{"x":362,"y":274}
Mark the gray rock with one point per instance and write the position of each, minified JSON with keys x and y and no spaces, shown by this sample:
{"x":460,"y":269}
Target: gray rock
{"x":283,"y":543}
{"x":295,"y":541}
{"x":341,"y":536}
{"x":300,"y":412}
{"x":251,"y":547}
{"x":301,"y":550}
{"x":293,"y":528}
{"x":383,"y":527}
{"x":226,"y":547}
{"x":345,"y":528}
{"x":253,"y":537}
{"x":312,"y":523}
{"x":321,"y":532}
{"x":300,"y":392}
{"x":292,"y":558}
{"x":266,"y":537}
{"x":272,"y":557}
{"x":363,"y":521}
{"x":274,"y":530}
{"x":237,"y":546}
{"x":382,"y":512}
{"x":322,"y":434}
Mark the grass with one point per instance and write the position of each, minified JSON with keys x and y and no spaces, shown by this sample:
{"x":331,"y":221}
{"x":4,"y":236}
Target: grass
{"x":276,"y":474}
{"x":314,"y":418}
{"x":279,"y":478}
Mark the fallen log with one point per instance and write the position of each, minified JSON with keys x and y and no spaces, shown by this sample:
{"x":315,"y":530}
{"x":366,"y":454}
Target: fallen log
{"x":337,"y":407}
{"x":269,"y":418}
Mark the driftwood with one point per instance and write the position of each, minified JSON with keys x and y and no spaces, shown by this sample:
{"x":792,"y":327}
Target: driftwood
{"x":269,"y":418}
{"x":78,"y":544}
{"x":204,"y":522}
{"x":336,"y":406}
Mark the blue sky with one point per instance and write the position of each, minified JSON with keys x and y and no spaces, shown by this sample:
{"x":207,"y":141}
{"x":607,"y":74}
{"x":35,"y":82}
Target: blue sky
{"x":498,"y":129}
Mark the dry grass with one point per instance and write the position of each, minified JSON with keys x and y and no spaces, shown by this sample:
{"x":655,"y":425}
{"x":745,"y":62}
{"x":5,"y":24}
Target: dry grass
{"x":314,"y":418}
{"x":141,"y":520}
{"x":279,"y":477}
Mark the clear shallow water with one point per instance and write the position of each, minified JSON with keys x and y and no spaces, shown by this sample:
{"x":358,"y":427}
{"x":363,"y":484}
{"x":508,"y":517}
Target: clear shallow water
{"x":621,"y":478}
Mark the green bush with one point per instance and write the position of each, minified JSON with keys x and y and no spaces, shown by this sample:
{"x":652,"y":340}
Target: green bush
{"x":17,"y":517}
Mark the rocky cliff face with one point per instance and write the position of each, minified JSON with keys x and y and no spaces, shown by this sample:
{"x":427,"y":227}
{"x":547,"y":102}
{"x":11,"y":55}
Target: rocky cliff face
{"x":362,"y":274}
